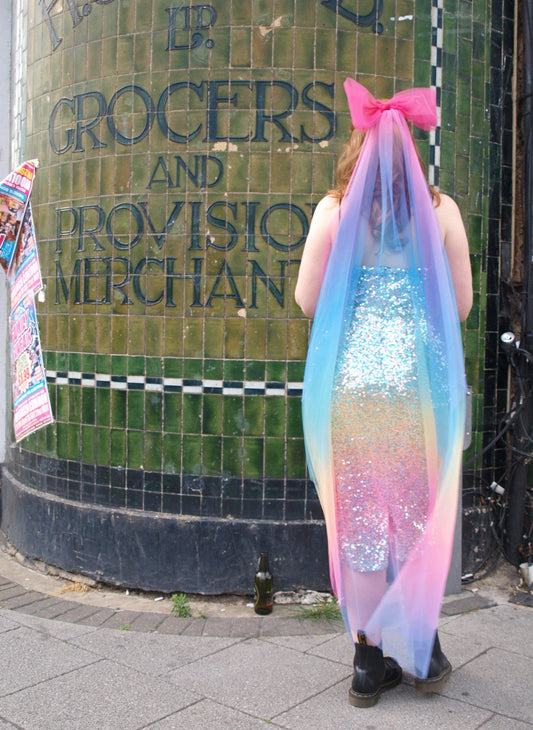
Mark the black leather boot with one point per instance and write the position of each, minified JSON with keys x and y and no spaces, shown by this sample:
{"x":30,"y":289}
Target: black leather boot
{"x":438,"y":672}
{"x":373,"y":673}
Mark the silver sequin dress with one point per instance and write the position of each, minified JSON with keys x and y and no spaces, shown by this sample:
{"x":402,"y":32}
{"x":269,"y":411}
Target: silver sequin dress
{"x":378,"y":440}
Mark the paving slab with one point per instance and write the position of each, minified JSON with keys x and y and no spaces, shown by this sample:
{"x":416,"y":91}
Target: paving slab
{"x":56,"y":608}
{"x":150,"y":653}
{"x":39,"y":607}
{"x":337,"y":649}
{"x":301,"y":643}
{"x":99,"y":617}
{"x":5,"y":623}
{"x":22,"y":600}
{"x":147,"y":622}
{"x":486,"y":682}
{"x":56,"y":629}
{"x":497,"y":722}
{"x":101,"y":696}
{"x":10,"y":591}
{"x":122,"y":619}
{"x":507,"y":626}
{"x":34,"y":657}
{"x":174,"y":625}
{"x":460,"y":651}
{"x":209,"y":714}
{"x":402,"y":708}
{"x":259,"y":677}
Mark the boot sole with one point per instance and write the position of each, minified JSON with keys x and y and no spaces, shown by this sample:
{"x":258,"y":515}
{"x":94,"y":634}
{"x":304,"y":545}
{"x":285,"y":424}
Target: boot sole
{"x":357,"y":699}
{"x":434,"y":684}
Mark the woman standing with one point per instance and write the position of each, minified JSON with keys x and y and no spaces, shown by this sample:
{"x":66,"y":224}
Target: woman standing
{"x":386,"y":275}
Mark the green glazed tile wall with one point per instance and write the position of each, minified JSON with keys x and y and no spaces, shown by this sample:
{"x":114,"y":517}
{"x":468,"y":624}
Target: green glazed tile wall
{"x":181,"y":152}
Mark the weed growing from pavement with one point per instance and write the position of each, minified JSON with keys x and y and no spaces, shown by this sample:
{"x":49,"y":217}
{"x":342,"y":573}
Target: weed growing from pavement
{"x":327,"y":610}
{"x":180,"y":605}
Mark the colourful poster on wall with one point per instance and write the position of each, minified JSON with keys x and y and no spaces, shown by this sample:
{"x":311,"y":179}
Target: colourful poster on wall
{"x":18,"y":256}
{"x":31,"y":403}
{"x":25,"y":273}
{"x":15,"y":192}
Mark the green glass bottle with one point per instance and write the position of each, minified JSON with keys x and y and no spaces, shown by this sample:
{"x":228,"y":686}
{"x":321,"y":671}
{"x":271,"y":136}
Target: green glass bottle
{"x":263,"y":584}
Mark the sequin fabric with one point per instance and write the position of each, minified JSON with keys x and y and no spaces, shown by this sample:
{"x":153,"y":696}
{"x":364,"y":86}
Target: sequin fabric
{"x":378,"y":441}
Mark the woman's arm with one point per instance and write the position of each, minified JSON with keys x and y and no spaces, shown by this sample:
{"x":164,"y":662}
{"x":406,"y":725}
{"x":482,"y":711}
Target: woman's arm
{"x":316,"y":253}
{"x":456,"y":244}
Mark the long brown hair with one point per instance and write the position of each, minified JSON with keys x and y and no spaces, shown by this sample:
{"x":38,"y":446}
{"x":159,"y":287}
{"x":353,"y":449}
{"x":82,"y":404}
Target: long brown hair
{"x":348,"y":159}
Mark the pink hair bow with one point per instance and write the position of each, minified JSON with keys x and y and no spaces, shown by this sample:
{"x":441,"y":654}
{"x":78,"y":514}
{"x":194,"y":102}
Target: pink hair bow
{"x":419,"y":105}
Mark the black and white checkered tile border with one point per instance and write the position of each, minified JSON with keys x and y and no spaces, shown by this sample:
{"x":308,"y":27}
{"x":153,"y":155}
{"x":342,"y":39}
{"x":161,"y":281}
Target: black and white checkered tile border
{"x":172,"y":385}
{"x":436,"y":83}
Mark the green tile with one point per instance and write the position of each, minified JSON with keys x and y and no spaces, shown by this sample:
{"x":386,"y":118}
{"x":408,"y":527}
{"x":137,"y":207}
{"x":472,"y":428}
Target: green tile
{"x":135,"y":409}
{"x":254,"y":414}
{"x":232,"y":456}
{"x":295,"y":371}
{"x":276,"y":372}
{"x":212,"y":414}
{"x":214,"y":369}
{"x":253,"y":457}
{"x":62,"y":440}
{"x":135,"y":365}
{"x":192,"y":413}
{"x":172,"y":415}
{"x":192,"y":454}
{"x":274,"y":416}
{"x":74,"y":404}
{"x":135,"y":449}
{"x":74,"y":442}
{"x":255,"y":370}
{"x":152,"y":451}
{"x":119,"y":408}
{"x":118,"y":447}
{"x":74,"y":360}
{"x":62,"y":361}
{"x":193,"y":338}
{"x":234,"y":370}
{"x":294,"y":417}
{"x":102,"y":402}
{"x":88,"y":363}
{"x":153,"y":410}
{"x":103,"y":363}
{"x":173,"y":367}
{"x":87,"y":445}
{"x":192,"y":368}
{"x":295,"y":459}
{"x":422,"y":36}
{"x":62,"y":403}
{"x":88,"y":405}
{"x":349,"y":49}
{"x":212,"y":455}
{"x":325,"y":48}
{"x":233,"y":415}
{"x":102,"y":445}
{"x":172,"y":453}
{"x":275,"y":457}
{"x":49,"y":360}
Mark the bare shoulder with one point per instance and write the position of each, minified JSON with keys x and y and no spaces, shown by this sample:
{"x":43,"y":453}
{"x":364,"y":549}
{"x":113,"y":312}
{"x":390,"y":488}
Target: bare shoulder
{"x":447,"y":207}
{"x":447,"y":203}
{"x":328,"y":206}
{"x":448,"y":214}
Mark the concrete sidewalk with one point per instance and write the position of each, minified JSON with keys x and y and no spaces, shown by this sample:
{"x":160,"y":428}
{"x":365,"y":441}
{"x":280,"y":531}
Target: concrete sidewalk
{"x":98,"y":660}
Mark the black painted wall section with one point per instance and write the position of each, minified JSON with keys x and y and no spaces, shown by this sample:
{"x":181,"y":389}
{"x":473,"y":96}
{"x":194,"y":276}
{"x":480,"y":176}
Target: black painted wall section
{"x":159,"y":552}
